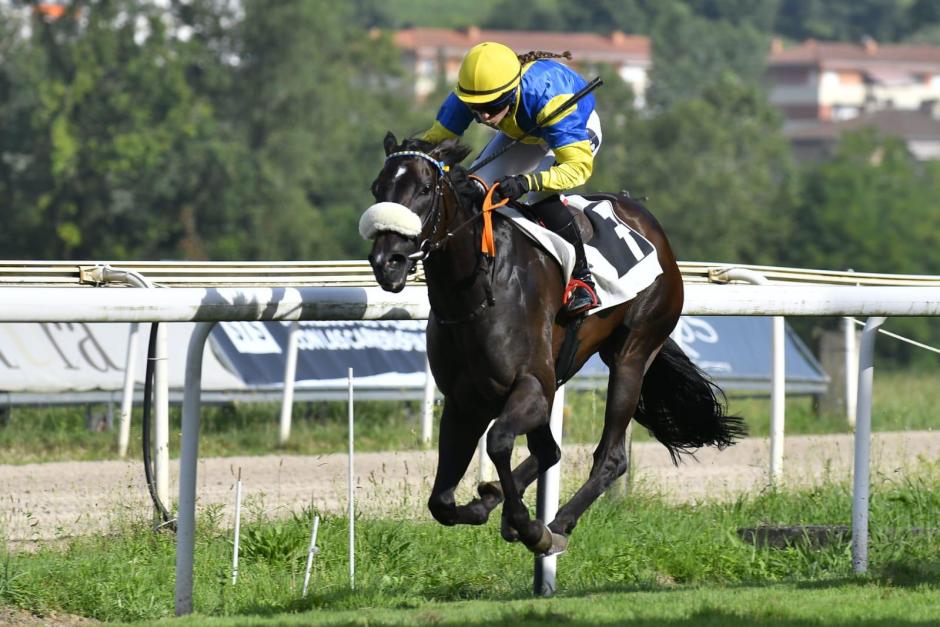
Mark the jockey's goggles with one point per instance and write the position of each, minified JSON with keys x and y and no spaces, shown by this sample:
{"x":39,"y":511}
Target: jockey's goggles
{"x":494,"y":106}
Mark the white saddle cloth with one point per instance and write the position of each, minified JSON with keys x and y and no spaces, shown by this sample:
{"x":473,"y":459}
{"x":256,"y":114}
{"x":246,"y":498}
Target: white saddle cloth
{"x":622,"y":261}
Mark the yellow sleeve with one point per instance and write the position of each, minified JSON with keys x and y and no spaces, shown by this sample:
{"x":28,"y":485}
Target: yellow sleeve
{"x":573,"y":167}
{"x":437,"y":133}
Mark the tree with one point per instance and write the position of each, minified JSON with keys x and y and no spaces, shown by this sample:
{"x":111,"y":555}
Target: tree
{"x":315,"y":96}
{"x":204,"y":130}
{"x":715,"y":169}
{"x":100,"y":109}
{"x":691,"y":53}
{"x":851,"y":20}
{"x":870,"y":208}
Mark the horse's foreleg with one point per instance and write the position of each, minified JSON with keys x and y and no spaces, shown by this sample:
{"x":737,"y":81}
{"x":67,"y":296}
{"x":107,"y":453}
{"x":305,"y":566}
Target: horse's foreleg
{"x":544,"y":454}
{"x":610,"y":459}
{"x":456,"y":446}
{"x":526,"y":411}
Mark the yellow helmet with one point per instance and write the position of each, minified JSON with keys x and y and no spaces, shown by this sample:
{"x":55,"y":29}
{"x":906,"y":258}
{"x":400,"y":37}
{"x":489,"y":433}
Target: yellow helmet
{"x":488,"y":71}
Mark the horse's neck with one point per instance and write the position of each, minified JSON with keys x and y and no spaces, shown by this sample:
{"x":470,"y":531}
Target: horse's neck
{"x":453,"y":272}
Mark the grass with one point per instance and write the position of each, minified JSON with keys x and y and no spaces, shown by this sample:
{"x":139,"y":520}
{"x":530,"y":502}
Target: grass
{"x":903,"y":401}
{"x":636,"y":561}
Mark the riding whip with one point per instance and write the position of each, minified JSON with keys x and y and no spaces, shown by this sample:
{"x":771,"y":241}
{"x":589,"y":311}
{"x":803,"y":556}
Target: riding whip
{"x":594,"y":84}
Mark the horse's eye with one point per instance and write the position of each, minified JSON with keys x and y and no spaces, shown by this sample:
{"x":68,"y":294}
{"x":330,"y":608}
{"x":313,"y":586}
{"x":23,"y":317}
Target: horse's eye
{"x":426,"y":189}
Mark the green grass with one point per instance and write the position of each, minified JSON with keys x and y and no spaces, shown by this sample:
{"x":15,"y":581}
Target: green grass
{"x":636,"y":559}
{"x":902,"y":401}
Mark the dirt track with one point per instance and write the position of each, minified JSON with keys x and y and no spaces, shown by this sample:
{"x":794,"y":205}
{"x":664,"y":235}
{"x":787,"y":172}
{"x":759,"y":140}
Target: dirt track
{"x":44,"y":501}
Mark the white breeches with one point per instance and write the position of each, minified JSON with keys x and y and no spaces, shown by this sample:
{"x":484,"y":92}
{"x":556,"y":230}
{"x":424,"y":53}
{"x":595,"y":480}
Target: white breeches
{"x":527,"y":158}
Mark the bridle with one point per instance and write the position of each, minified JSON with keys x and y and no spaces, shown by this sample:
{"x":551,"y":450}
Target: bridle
{"x":426,"y":247}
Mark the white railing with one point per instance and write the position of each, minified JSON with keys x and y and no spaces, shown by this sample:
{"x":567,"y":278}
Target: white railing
{"x":208,"y":305}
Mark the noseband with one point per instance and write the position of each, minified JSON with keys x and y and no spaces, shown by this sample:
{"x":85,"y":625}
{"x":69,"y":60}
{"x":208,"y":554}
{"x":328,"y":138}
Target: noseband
{"x":425,"y":248}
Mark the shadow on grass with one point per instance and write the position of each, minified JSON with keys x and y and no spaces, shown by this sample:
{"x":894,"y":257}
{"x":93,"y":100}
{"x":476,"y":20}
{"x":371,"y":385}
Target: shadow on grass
{"x":520,"y":609}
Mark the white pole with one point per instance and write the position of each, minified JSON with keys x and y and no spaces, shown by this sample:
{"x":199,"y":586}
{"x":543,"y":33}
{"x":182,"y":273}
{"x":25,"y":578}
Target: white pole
{"x":189,"y":454}
{"x":851,"y":370}
{"x":549,"y":485}
{"x":190,"y":304}
{"x":290,"y":374}
{"x":860,"y":487}
{"x":485,"y":466}
{"x":238,"y":525}
{"x":778,"y":397}
{"x":427,"y":409}
{"x":351,"y":495}
{"x":311,"y":551}
{"x":161,"y":420}
{"x":127,"y":394}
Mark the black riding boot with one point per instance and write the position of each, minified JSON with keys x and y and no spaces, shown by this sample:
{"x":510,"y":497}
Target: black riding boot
{"x":580,"y":295}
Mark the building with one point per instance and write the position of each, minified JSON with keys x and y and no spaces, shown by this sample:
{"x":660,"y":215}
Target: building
{"x":816,"y":82}
{"x":434,"y":54}
{"x":919,"y":130}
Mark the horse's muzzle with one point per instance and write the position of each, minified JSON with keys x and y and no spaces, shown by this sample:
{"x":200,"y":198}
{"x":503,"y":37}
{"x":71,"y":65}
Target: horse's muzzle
{"x":391,"y":270}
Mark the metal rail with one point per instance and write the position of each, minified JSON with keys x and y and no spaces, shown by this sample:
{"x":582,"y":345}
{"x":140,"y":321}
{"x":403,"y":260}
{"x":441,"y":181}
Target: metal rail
{"x":357,"y":273}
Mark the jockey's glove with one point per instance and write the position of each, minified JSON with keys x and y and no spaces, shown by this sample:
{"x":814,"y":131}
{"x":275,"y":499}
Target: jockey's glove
{"x":511,"y":187}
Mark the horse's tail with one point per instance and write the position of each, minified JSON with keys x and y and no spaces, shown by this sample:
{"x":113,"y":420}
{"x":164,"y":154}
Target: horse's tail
{"x":681,"y":406}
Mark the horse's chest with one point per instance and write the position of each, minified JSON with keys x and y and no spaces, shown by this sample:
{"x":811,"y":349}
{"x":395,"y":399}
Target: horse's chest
{"x":476,"y":368}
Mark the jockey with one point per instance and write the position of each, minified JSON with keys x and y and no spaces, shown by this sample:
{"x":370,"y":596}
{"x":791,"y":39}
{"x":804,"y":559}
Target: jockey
{"x":513,"y":94}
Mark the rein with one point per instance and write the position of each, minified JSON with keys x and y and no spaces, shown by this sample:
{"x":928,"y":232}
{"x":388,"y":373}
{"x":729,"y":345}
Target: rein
{"x":488,"y":245}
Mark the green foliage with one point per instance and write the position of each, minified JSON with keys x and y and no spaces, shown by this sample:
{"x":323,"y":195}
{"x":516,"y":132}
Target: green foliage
{"x":692,"y":53}
{"x":867,"y":208}
{"x":276,"y":542}
{"x":851,"y":20}
{"x":240,"y":140}
{"x":716,"y":170}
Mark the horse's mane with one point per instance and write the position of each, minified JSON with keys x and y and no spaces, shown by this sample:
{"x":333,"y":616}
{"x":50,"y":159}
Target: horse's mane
{"x":451,"y":152}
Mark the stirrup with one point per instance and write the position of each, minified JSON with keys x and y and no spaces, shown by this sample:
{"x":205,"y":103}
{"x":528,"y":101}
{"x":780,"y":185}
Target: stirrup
{"x":579,"y":297}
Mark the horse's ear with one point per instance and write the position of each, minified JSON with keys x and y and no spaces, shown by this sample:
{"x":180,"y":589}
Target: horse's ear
{"x":389,"y":143}
{"x":451,"y":151}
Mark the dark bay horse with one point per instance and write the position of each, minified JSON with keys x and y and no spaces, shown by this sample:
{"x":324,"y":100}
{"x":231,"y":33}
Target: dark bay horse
{"x":494,"y":336}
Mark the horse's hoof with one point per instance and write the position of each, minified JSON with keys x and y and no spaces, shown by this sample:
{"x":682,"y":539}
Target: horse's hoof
{"x":544,"y":546}
{"x":491,"y":492}
{"x":508,"y":532}
{"x":559,"y":545}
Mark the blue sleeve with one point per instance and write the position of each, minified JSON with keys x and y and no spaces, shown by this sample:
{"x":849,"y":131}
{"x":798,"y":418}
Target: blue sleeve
{"x":571,"y":128}
{"x":546,"y":85}
{"x":454,"y":115}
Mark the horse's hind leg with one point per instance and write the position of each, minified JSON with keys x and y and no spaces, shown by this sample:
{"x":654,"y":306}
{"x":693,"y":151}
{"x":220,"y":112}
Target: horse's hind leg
{"x":627,"y":367}
{"x":456,"y":446}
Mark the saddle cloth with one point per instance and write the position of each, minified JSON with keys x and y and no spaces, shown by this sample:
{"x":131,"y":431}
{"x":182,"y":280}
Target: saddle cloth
{"x":622,"y":261}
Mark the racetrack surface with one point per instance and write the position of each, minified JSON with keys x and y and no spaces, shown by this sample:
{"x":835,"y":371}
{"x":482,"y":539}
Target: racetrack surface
{"x":57,"y":500}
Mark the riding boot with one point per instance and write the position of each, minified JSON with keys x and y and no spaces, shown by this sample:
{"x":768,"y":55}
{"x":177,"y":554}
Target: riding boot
{"x":580,"y":294}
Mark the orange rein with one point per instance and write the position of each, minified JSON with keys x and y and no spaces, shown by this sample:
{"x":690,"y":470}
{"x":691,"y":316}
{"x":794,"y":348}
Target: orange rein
{"x":488,"y":243}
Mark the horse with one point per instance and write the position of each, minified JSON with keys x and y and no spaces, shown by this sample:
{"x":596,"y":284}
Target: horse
{"x":494,"y":335}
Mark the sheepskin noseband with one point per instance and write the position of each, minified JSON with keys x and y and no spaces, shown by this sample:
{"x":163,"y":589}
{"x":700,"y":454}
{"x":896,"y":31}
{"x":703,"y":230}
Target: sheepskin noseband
{"x":389,"y":216}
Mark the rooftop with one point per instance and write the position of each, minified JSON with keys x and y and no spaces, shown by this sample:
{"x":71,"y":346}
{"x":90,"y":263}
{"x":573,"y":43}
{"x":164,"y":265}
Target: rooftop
{"x":585,"y":45}
{"x":812,"y":52}
{"x":909,"y":125}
